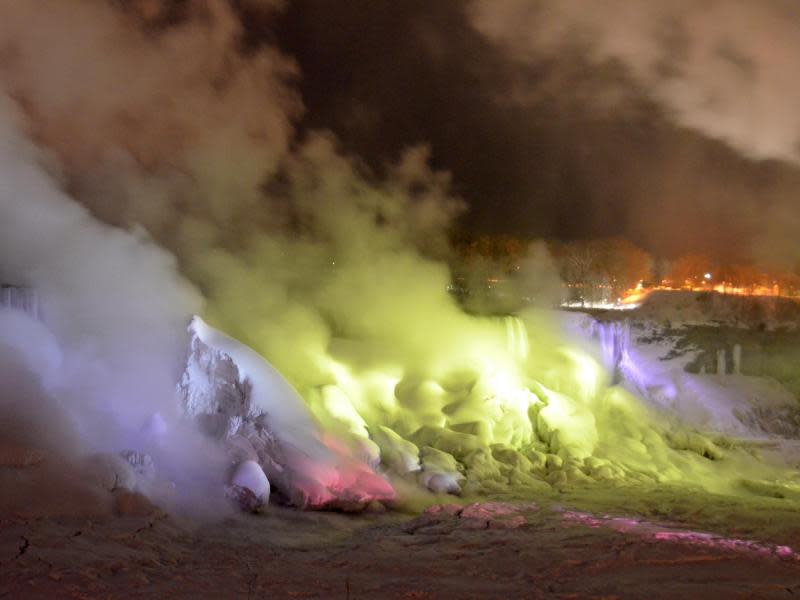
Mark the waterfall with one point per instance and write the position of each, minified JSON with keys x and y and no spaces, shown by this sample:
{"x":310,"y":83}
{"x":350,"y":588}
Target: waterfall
{"x":20,"y":298}
{"x":517,"y":337}
{"x":615,"y":340}
{"x":641,"y":376}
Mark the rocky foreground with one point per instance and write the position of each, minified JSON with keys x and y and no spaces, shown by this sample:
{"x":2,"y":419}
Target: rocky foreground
{"x":492,"y":549}
{"x":90,"y":527}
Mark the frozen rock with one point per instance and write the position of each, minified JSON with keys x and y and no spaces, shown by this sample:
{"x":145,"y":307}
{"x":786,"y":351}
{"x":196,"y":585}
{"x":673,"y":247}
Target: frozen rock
{"x":249,"y":486}
{"x":512,"y":458}
{"x":245,"y":499}
{"x":452,"y":442}
{"x":440,"y":473}
{"x":254,"y":441}
{"x":238,"y":397}
{"x":721,"y":362}
{"x":553,"y":462}
{"x":576,"y":475}
{"x":250,"y":475}
{"x":737,"y":359}
{"x":397,"y":454}
{"x":482,"y":466}
{"x":538,"y":459}
{"x":568,"y":426}
{"x":442,"y":483}
{"x":557,"y":479}
{"x":337,"y":408}
{"x":434,"y":459}
{"x":213,"y":391}
{"x":479,"y":429}
{"x":694,"y":442}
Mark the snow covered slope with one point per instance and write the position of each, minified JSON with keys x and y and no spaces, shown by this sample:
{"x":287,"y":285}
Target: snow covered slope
{"x":238,"y":397}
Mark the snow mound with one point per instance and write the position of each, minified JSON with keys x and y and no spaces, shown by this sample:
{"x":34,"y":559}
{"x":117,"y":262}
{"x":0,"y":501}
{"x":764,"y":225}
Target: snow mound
{"x":249,"y":486}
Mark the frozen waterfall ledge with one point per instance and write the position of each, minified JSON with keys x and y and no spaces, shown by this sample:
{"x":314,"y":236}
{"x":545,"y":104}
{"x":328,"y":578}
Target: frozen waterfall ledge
{"x":237,"y":397}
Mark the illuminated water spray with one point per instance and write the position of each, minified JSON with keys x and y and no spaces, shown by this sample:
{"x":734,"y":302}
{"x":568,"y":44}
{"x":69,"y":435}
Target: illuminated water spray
{"x":505,"y":407}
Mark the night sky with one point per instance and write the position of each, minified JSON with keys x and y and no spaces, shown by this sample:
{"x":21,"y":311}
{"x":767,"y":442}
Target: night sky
{"x":672,"y":123}
{"x":557,"y":146}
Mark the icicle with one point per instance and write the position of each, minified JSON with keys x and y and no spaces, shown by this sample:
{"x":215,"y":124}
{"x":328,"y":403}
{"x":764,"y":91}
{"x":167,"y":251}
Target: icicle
{"x":20,"y":298}
{"x":721,"y":361}
{"x":737,"y":359}
{"x":614,"y":338}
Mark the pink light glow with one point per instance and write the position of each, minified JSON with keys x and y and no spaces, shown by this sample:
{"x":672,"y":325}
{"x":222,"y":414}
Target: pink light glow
{"x":666,"y":534}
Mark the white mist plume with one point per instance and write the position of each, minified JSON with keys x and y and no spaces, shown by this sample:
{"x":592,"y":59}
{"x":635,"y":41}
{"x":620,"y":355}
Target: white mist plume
{"x":724,"y":67}
{"x":115,"y":310}
{"x":150,"y":121}
{"x":320,"y":265}
{"x":187,"y":149}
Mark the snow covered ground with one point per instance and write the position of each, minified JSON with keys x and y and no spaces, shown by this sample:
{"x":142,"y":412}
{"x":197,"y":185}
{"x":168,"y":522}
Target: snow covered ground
{"x":654,"y":349}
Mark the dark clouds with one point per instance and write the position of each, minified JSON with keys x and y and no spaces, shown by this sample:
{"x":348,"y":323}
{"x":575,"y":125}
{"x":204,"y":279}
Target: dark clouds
{"x":670,"y":123}
{"x":637,"y":126}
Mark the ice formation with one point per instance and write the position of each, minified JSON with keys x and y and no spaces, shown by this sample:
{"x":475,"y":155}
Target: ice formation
{"x":539,"y":411}
{"x":20,"y":298}
{"x":239,"y":398}
{"x":722,"y":402}
{"x":249,"y":485}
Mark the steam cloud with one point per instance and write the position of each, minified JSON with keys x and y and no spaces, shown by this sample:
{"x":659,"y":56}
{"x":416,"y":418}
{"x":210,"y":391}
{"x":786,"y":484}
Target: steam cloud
{"x":174,"y":127}
{"x":106,"y":362}
{"x":723,"y":68}
{"x":118,"y":314}
{"x":159,"y":117}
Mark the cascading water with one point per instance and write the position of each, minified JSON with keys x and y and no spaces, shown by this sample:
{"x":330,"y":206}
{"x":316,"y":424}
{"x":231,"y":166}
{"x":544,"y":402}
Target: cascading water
{"x":517,"y":337}
{"x":626,"y":367}
{"x":20,"y":298}
{"x":614,"y":338}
